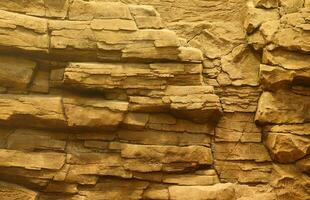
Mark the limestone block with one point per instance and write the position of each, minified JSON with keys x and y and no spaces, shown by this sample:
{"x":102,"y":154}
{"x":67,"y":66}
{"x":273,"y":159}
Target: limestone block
{"x":244,"y":172}
{"x":32,"y":111}
{"x":238,"y":99}
{"x":27,"y":139}
{"x":32,"y":160}
{"x":197,"y":103}
{"x":287,"y":148}
{"x":168,"y":154}
{"x":287,"y":59}
{"x":241,"y":151}
{"x":203,"y":177}
{"x":234,"y":127}
{"x":149,"y":137}
{"x":130,"y":76}
{"x":282,"y":107}
{"x":16,"y":72}
{"x":215,"y":192}
{"x":83,"y":10}
{"x":164,"y":122}
{"x":156,"y":191}
{"x":23,"y":33}
{"x":47,"y":8}
{"x":94,"y":113}
{"x":275,"y":77}
{"x":115,"y":189}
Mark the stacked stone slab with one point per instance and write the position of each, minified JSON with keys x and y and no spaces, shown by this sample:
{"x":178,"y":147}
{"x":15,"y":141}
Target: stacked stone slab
{"x":101,"y":99}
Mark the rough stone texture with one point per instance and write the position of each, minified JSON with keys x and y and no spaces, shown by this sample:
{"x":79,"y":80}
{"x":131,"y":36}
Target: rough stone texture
{"x":154,"y":99}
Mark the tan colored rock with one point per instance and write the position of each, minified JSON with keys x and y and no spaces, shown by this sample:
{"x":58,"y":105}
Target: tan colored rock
{"x":296,"y":129}
{"x":16,"y":72}
{"x":268,"y":30}
{"x":242,"y":66}
{"x":266,"y":3}
{"x":115,"y":189}
{"x":295,"y":188}
{"x":164,"y":138}
{"x":27,"y":139}
{"x":304,"y":164}
{"x":42,"y":8}
{"x":129,"y":76}
{"x":86,"y":166}
{"x":216,"y":192}
{"x":32,"y":111}
{"x":274,"y":77}
{"x":190,"y":54}
{"x":94,"y":113}
{"x":156,"y":191}
{"x":61,"y":187}
{"x":282,"y":107}
{"x":290,"y":6}
{"x":32,"y":160}
{"x":136,"y":121}
{"x":235,"y":127}
{"x":168,"y":154}
{"x":239,"y":99}
{"x":200,"y":178}
{"x":40,"y":82}
{"x":244,"y":172}
{"x":145,"y":22}
{"x":215,"y":39}
{"x":113,"y":24}
{"x":164,"y":122}
{"x":287,"y":148}
{"x":258,"y":16}
{"x":241,"y":151}
{"x":287,"y":59}
{"x":81,"y":10}
{"x":22,"y":32}
{"x":292,"y":39}
{"x":197,"y":103}
{"x":10,"y":191}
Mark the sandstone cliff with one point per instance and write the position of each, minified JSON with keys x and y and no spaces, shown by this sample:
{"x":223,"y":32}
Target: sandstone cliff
{"x":154,"y":99}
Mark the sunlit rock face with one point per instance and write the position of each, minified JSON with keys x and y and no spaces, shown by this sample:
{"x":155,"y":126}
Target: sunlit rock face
{"x":154,"y":99}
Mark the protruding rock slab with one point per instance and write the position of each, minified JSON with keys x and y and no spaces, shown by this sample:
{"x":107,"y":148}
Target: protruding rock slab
{"x":243,"y":171}
{"x":23,"y":33}
{"x":283,"y":106}
{"x":275,"y":77}
{"x":216,"y":192}
{"x":155,"y":154}
{"x":31,"y":160}
{"x":287,"y":148}
{"x":130,"y":75}
{"x":94,"y":113}
{"x":115,"y":189}
{"x":288,"y":143}
{"x":198,"y":103}
{"x":9,"y":191}
{"x":33,"y":111}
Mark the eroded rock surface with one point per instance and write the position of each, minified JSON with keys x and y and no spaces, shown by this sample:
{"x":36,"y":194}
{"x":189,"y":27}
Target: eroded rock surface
{"x":154,"y":99}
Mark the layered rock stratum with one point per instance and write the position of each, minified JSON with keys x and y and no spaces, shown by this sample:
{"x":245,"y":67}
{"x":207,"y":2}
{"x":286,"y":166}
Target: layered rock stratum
{"x":154,"y":99}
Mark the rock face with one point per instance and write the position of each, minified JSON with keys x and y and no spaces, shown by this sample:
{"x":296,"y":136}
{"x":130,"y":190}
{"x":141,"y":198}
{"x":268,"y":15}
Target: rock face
{"x":154,"y":99}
